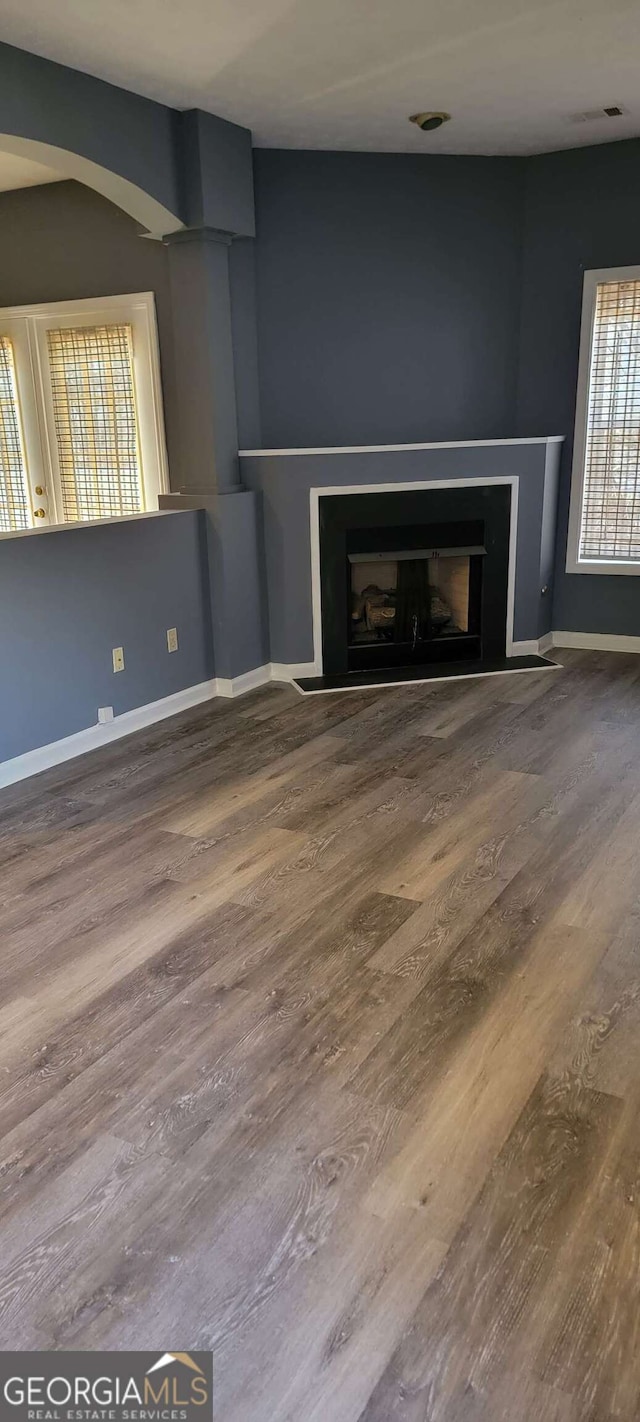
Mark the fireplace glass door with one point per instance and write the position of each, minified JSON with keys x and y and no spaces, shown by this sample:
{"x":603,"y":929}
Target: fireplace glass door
{"x":413,"y":605}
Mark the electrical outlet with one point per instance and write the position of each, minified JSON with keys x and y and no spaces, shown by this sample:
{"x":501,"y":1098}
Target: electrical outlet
{"x":172,"y":639}
{"x":118,"y":659}
{"x":105,"y":713}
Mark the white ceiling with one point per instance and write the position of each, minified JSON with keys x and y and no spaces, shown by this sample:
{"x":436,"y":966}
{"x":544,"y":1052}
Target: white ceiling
{"x":22,"y":173}
{"x":347,"y":73}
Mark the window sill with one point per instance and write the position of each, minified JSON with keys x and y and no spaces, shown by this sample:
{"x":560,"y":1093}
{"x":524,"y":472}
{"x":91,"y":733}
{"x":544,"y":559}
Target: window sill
{"x":610,"y":570}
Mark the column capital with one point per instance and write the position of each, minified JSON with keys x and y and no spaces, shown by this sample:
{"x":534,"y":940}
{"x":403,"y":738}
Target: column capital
{"x":197,"y":234}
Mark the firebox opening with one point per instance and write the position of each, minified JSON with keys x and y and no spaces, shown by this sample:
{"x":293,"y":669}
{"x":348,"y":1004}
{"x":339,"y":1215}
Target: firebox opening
{"x":410,"y":595}
{"x":413,"y":593}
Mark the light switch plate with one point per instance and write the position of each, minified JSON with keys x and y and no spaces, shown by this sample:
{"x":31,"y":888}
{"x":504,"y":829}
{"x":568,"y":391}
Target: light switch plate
{"x":118,"y":659}
{"x":172,"y":639}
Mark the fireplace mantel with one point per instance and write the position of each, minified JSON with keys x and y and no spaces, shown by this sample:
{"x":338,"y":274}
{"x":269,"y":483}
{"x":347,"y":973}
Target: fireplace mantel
{"x":398,"y":448}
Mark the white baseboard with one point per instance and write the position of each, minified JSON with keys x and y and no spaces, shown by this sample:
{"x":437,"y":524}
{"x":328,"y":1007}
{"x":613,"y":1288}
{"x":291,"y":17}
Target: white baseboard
{"x":287,"y":671}
{"x":271,"y":671}
{"x":596,"y":641}
{"x":247,"y":681}
{"x":44,"y":757}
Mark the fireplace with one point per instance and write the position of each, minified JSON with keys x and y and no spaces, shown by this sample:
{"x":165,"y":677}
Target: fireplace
{"x":311,"y":499}
{"x":414,"y":579}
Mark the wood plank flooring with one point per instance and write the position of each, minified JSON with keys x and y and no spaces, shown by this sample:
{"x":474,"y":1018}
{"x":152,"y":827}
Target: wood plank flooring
{"x":319,"y":1048}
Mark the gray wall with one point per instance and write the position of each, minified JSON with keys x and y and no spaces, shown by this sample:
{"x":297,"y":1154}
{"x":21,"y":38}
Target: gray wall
{"x":62,"y":240}
{"x":388,"y":296}
{"x":582,"y":211}
{"x":242,"y":272}
{"x":70,"y":595}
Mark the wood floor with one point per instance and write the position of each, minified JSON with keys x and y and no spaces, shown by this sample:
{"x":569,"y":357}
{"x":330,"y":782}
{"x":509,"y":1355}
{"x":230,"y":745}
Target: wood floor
{"x":319,"y":1043}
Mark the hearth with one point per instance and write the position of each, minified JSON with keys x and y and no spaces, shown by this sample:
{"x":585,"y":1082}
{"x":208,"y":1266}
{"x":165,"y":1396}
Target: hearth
{"x":414,"y":578}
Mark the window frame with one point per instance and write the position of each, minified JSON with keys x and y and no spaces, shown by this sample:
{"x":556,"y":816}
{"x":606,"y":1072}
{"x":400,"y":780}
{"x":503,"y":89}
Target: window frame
{"x":19,"y":421}
{"x":26,"y":327}
{"x":612,"y":567}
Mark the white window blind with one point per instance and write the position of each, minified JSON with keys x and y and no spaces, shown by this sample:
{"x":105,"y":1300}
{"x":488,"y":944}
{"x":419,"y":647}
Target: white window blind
{"x":610,"y":514}
{"x":14,"y":500}
{"x":96,"y":428}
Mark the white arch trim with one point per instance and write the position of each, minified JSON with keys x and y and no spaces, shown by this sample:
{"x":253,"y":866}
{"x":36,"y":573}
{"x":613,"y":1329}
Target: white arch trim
{"x":146,"y":210}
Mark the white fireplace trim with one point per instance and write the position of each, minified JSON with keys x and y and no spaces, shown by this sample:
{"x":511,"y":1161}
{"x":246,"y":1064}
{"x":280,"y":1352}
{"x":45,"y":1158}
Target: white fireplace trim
{"x":397,"y":487}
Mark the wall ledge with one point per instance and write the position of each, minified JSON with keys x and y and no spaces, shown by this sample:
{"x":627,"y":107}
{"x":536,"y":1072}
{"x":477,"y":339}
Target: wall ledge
{"x":398,"y":448}
{"x":88,"y":523}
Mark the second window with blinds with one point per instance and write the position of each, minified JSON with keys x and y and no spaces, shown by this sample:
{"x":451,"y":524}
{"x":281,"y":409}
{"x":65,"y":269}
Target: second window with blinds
{"x":81,"y":423}
{"x":604,"y":523}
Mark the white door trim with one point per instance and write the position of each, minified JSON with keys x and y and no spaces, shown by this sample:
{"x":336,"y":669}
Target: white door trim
{"x":329,"y":491}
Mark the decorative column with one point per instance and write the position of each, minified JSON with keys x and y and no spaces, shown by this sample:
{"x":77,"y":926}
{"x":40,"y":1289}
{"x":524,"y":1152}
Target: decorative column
{"x":217,"y":174}
{"x":204,"y":364}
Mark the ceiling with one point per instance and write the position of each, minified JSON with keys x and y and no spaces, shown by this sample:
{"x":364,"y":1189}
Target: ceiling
{"x":22,"y":173}
{"x":347,"y":73}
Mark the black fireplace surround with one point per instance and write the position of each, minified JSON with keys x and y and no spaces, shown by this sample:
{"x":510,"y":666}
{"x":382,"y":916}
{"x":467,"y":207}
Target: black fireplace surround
{"x":413,"y":579}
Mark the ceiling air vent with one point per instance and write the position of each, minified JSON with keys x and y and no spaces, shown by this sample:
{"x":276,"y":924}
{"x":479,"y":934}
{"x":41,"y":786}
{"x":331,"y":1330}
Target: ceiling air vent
{"x":590,"y":115}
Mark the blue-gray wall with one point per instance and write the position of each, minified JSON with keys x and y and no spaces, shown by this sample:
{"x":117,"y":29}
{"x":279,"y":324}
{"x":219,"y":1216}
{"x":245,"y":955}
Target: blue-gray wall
{"x":582,"y":211}
{"x":70,"y":595}
{"x":388,"y":296}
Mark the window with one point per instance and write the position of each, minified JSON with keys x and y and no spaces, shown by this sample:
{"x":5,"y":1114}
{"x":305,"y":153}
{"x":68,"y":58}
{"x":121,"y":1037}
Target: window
{"x":81,"y":429}
{"x":94,"y":414}
{"x":604,"y":525}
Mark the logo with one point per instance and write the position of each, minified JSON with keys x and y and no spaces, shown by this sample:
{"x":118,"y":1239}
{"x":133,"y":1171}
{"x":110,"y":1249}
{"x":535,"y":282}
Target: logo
{"x":106,"y":1387}
{"x":175,"y":1358}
